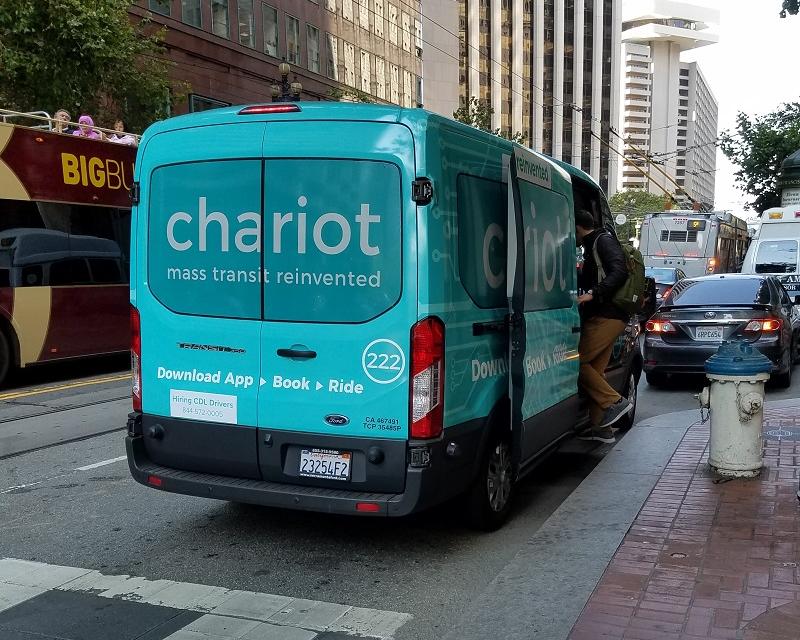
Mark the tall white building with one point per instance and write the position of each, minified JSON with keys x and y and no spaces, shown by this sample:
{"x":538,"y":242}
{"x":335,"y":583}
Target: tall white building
{"x":550,"y":71}
{"x":668,"y":111}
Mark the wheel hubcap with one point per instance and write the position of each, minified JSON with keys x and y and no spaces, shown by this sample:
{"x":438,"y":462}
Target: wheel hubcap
{"x":498,"y":480}
{"x":632,"y":390}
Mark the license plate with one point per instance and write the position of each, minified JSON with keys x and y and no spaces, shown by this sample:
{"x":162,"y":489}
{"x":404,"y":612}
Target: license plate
{"x":325,"y":463}
{"x":708,"y":333}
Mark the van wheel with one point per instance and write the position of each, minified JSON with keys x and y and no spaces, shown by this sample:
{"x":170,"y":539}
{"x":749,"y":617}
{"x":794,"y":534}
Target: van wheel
{"x":630,"y":395}
{"x":490,"y":497}
{"x":5,"y":358}
{"x":655,"y":379}
{"x":796,"y":350}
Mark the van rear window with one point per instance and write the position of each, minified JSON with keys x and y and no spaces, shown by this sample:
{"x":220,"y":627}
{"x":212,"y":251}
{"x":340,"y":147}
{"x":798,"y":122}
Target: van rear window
{"x":776,"y":256}
{"x":322,"y":244}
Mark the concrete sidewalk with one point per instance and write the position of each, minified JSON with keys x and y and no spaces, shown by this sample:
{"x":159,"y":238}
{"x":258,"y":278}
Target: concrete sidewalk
{"x":645,"y":520}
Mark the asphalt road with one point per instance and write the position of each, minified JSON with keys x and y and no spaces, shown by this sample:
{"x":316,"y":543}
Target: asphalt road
{"x":61,"y":509}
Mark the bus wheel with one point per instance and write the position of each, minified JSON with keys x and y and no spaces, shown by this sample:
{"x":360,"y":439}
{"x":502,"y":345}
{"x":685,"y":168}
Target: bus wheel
{"x":490,"y":496}
{"x":5,"y":358}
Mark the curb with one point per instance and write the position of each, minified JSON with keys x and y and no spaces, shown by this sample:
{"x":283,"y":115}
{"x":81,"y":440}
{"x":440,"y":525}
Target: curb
{"x":542,"y":591}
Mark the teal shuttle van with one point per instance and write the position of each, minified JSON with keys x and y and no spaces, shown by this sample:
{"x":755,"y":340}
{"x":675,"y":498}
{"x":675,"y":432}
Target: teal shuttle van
{"x":354,"y":309}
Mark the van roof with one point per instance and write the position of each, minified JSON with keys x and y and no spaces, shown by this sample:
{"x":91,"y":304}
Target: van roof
{"x":417,"y":119}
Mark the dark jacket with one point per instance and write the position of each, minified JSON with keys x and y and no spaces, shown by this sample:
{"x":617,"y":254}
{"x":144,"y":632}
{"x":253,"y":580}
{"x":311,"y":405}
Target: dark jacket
{"x":616,"y":273}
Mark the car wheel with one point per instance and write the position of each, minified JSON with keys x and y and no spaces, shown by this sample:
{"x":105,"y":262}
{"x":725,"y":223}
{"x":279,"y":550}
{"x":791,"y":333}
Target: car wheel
{"x":630,"y":393}
{"x":784,"y":380}
{"x":490,"y":497}
{"x":655,"y":378}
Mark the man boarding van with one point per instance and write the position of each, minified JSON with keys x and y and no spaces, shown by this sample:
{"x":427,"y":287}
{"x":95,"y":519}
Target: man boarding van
{"x":355,"y":309}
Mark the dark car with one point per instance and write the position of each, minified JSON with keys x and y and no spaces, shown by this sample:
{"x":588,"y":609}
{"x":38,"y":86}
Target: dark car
{"x":700,"y":313}
{"x":665,"y":278}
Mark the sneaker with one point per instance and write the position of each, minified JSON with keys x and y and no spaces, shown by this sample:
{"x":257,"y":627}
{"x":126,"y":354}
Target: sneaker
{"x":598,"y":434}
{"x":615,"y":412}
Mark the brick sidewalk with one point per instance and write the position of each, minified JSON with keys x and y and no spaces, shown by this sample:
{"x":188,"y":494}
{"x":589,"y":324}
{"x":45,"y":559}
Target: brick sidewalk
{"x":709,"y":559}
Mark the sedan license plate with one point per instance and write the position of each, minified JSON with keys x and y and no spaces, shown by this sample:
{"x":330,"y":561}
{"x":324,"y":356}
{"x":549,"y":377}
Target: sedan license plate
{"x":325,"y":463}
{"x":708,"y":333}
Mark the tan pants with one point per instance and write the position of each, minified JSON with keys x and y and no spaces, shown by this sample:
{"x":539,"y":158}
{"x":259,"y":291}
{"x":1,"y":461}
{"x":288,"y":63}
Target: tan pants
{"x":597,"y":341}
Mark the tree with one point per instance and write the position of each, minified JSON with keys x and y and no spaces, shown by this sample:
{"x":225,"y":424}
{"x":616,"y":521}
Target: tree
{"x":478,"y":113}
{"x":85,"y":56}
{"x":636,"y":201}
{"x":790,"y":6}
{"x":349,"y":95}
{"x":758,"y":146}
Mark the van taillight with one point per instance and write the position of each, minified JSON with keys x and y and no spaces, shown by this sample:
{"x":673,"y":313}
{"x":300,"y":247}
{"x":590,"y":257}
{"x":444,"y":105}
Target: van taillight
{"x":427,"y":385}
{"x":136,"y":360}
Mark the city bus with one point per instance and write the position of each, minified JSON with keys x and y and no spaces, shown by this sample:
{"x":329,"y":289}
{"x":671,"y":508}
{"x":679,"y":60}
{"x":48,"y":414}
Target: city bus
{"x":697,"y":243}
{"x":64,"y":246}
{"x":354,"y":309}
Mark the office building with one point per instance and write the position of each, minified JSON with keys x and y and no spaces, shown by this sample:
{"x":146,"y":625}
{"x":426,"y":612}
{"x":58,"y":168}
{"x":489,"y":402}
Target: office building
{"x":228,"y":51}
{"x":669,"y":115}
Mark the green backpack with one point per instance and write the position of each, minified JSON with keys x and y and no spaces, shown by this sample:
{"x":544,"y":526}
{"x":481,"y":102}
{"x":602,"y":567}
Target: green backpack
{"x":630,"y":297}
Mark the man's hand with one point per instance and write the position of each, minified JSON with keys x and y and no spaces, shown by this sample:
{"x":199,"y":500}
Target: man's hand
{"x":586,"y":297}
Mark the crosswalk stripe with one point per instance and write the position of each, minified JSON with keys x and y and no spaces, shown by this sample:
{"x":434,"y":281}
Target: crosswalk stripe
{"x":261,"y":615}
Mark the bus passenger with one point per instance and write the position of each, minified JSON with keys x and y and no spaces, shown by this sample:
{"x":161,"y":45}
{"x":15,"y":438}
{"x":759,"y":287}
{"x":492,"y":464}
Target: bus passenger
{"x":120,"y":137}
{"x":60,"y":122}
{"x":86,"y":128}
{"x":602,"y":323}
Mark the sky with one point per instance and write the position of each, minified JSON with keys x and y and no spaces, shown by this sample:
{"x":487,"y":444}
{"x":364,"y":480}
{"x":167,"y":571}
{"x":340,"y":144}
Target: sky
{"x":752,"y":69}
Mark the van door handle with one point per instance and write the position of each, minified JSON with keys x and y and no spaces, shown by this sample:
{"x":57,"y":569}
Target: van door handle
{"x":494,"y":326}
{"x":300,"y":354}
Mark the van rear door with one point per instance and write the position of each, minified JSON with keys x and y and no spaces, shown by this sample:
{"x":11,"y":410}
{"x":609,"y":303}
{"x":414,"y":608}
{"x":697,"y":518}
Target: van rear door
{"x":339,"y":301}
{"x":198,"y":257}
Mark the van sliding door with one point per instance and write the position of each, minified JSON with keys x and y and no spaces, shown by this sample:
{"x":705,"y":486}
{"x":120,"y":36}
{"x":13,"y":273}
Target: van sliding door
{"x":545,"y":321}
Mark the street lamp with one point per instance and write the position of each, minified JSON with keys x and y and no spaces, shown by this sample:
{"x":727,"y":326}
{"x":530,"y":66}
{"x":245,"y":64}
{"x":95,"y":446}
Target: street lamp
{"x":286,"y":91}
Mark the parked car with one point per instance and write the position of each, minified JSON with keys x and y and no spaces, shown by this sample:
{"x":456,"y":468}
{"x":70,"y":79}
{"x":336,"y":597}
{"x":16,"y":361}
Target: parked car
{"x":665,"y":278}
{"x":698,"y":314}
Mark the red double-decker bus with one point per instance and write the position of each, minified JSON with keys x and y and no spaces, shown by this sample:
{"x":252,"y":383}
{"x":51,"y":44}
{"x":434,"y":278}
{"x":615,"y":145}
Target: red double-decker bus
{"x":64,"y":245}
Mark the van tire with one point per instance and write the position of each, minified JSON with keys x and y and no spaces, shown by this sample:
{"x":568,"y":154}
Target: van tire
{"x":490,"y":497}
{"x":630,"y":393}
{"x":655,"y":379}
{"x":784,"y":380}
{"x":6,"y":358}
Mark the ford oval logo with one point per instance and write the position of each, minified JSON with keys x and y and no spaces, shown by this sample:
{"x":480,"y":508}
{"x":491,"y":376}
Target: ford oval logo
{"x":711,"y":314}
{"x":337,"y":420}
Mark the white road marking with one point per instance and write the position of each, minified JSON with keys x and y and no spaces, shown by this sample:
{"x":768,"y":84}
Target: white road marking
{"x":20,"y":486}
{"x":101,"y":464}
{"x":229,"y":612}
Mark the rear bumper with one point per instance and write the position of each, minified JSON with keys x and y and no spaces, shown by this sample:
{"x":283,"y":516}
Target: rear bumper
{"x":662,"y":357}
{"x":429,"y":475}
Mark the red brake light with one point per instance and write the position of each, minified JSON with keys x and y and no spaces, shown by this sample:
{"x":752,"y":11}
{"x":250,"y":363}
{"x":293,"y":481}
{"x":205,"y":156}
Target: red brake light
{"x":368,"y":507}
{"x":769,"y":325}
{"x":659,"y":326}
{"x":426,"y":401}
{"x":136,"y":360}
{"x":280,"y":107}
{"x":154,"y":481}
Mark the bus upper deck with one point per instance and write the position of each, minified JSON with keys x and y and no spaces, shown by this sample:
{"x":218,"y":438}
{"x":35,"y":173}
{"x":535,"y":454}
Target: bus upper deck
{"x":64,"y":240}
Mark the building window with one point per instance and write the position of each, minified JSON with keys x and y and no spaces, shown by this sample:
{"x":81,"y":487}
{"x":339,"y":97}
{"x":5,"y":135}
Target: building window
{"x":392,"y":24}
{"x":418,"y":95}
{"x":247,"y":24}
{"x":347,"y":10}
{"x":292,"y":40}
{"x":312,"y":46}
{"x":332,"y":60}
{"x":350,"y":64}
{"x":219,"y":18}
{"x":379,"y":18}
{"x":394,"y":83}
{"x":406,"y":32}
{"x":191,"y":13}
{"x":418,"y":37}
{"x":366,"y":75}
{"x":160,"y":6}
{"x":406,"y":88}
{"x":330,"y":5}
{"x":203,"y":103}
{"x":270,"y":15}
{"x":380,"y":78}
{"x":363,"y":14}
